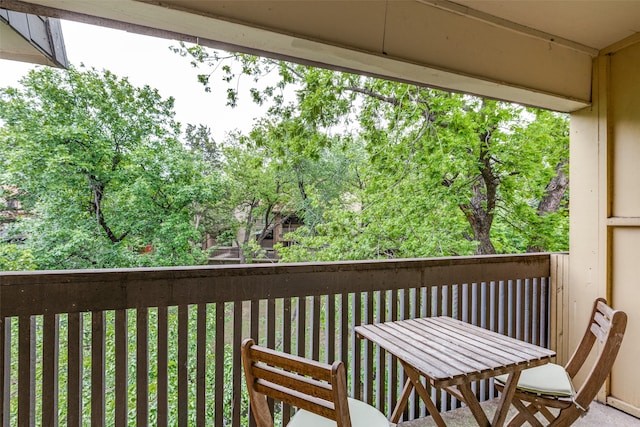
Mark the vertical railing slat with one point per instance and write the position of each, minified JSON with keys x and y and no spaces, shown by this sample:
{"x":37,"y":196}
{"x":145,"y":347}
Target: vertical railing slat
{"x":522,"y":309}
{"x":5,"y":371}
{"x":301,"y":328}
{"x":26,"y":367}
{"x":142,"y":367}
{"x":513,"y":308}
{"x":495,"y":306}
{"x":403,"y":314}
{"x":286,"y":347}
{"x":315,"y":328}
{"x":437,"y":297}
{"x":331,"y":330}
{"x":183,"y":368}
{"x":503,"y":325}
{"x":368,"y":350}
{"x":271,"y":323}
{"x":420,"y":310}
{"x":381,"y":317}
{"x":428,"y":312}
{"x":356,"y":364}
{"x":415,"y":402}
{"x":534,"y":311}
{"x":392,"y":398}
{"x":74,"y":370}
{"x":254,"y":320}
{"x":449,"y":300}
{"x":254,"y":332}
{"x":271,"y":340}
{"x":201,"y":366}
{"x":485,"y":308}
{"x":529,"y":311}
{"x":287,"y":323}
{"x":344,"y":330}
{"x":50,"y":360}
{"x":434,"y":301}
{"x":469,"y":301}
{"x":237,"y":363}
{"x":97,"y":368}
{"x":162,"y":402}
{"x":545,"y":313}
{"x":122,"y":368}
{"x":219,"y":397}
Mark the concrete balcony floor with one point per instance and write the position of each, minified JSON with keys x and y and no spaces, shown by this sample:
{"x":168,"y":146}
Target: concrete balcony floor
{"x":598,"y":415}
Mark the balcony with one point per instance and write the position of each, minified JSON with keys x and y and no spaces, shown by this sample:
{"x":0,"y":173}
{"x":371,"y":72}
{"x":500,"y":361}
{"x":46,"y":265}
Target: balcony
{"x":161,"y":346}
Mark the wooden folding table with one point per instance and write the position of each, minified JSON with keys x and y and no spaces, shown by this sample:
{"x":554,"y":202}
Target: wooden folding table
{"x":451,"y":354}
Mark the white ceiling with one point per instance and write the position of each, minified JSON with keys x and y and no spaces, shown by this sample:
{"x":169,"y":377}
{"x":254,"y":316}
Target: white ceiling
{"x":535,"y":52}
{"x":594,"y":23}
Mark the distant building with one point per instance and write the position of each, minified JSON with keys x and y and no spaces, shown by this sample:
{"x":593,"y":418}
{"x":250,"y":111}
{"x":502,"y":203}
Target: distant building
{"x":283,"y":224}
{"x":10,"y":210}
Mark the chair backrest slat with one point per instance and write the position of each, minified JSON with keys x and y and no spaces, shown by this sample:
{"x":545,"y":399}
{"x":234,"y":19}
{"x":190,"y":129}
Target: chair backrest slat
{"x":306,"y":384}
{"x":292,"y":363}
{"x":602,"y":307}
{"x":607,"y":326}
{"x":599,"y":332}
{"x":602,"y":320}
{"x":300,"y":400}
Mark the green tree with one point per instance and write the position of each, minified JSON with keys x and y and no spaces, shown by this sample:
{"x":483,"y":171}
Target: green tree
{"x":447,"y":173}
{"x":105,"y":180}
{"x":15,"y":258}
{"x":258,"y":192}
{"x":282,"y":169}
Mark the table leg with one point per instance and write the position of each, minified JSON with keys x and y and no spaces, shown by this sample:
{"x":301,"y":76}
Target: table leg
{"x":414,"y":377}
{"x":508,"y":392}
{"x":472,"y":402}
{"x":402,"y":402}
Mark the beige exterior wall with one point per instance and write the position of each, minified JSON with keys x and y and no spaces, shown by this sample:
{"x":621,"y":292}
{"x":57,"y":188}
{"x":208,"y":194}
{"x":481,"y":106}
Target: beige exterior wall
{"x":605,"y":213}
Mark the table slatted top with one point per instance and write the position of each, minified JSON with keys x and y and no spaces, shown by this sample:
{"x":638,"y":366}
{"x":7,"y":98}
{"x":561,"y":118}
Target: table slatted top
{"x":450,"y":351}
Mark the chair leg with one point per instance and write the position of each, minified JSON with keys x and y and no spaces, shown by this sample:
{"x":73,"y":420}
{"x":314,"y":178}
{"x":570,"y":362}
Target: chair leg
{"x":547,"y":413}
{"x":525,"y":413}
{"x":566,"y":417}
{"x":517,"y":420}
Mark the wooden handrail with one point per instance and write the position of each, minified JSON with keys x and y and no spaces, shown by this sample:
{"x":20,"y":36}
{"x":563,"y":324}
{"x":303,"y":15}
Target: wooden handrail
{"x":69,"y":291}
{"x":185,"y":325}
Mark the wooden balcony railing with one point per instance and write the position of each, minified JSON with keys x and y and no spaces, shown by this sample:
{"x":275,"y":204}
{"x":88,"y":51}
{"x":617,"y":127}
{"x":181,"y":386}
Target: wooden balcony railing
{"x":162,"y":346}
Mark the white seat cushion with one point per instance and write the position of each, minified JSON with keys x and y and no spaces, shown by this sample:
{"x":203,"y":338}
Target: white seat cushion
{"x":545,"y":380}
{"x":362,"y":415}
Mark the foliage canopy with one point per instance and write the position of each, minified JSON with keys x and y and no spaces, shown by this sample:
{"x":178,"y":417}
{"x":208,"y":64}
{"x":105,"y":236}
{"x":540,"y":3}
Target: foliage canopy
{"x":373,"y":168}
{"x":430,"y":173}
{"x":101,"y":171}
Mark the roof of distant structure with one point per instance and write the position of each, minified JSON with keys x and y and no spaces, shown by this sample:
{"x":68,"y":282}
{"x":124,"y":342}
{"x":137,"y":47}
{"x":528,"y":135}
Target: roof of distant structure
{"x":32,"y":38}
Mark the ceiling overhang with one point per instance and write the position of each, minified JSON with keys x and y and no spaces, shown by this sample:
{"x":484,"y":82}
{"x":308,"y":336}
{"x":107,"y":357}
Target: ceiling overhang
{"x":31,"y":38}
{"x":428,"y":42}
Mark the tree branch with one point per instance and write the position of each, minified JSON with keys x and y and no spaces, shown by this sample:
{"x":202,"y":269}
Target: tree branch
{"x":364,"y":91}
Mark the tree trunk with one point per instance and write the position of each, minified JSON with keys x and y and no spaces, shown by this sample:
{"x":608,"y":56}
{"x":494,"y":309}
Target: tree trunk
{"x":96,"y":208}
{"x":479,"y":210}
{"x":553,"y":196}
{"x":480,"y":219}
{"x":248,"y":230}
{"x":554,"y":192}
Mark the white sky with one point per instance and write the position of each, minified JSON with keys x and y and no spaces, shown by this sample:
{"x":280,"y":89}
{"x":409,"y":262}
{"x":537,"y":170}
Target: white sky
{"x":148,"y":60}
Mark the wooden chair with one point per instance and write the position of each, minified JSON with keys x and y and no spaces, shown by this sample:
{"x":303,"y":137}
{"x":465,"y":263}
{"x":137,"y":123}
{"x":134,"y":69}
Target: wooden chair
{"x":319,"y":390}
{"x":550,"y":386}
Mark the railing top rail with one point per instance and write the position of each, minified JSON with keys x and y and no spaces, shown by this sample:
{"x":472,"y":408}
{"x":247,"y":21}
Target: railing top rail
{"x":8,"y":277}
{"x":48,"y":292}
